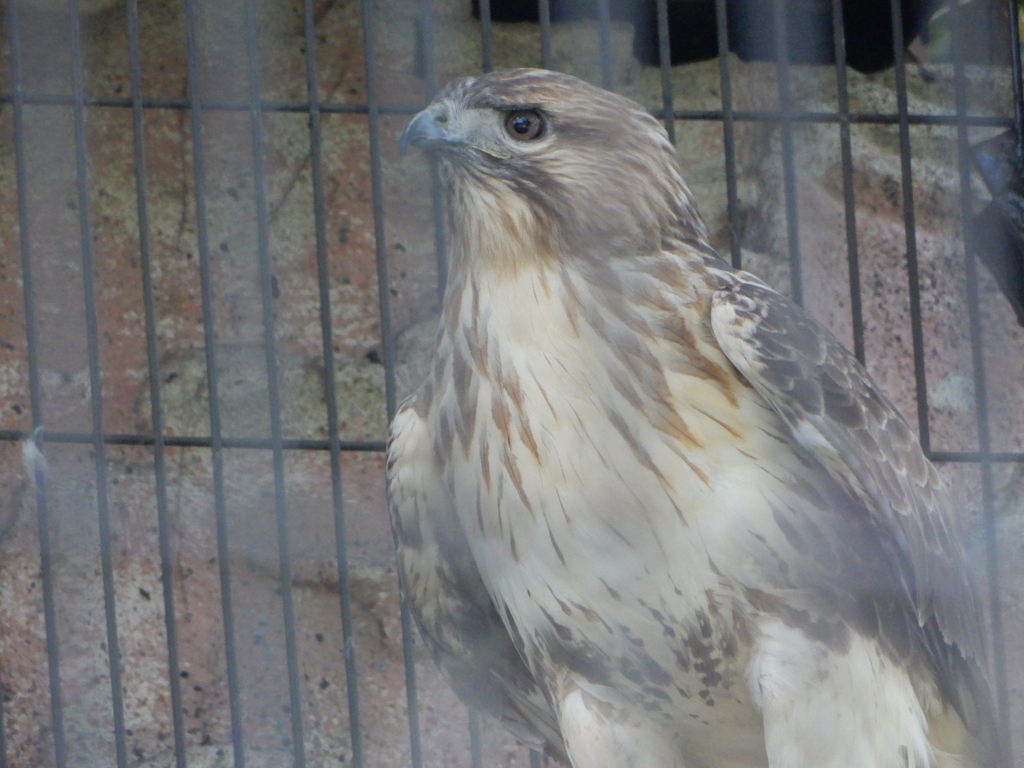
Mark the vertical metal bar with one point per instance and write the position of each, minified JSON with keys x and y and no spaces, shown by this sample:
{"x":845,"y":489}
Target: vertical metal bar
{"x":665,"y":60}
{"x":486,"y":42}
{"x":430,"y":81}
{"x":387,"y":342}
{"x":604,"y":31}
{"x":273,"y":385}
{"x":427,"y":30}
{"x":788,"y":169}
{"x":39,"y":480}
{"x":476,"y":752}
{"x":440,"y":243}
{"x":3,"y":741}
{"x":992,"y":563}
{"x":212,"y":387}
{"x":910,"y":227}
{"x":849,"y":204}
{"x":35,"y":396}
{"x":728,"y":134}
{"x":156,"y":407}
{"x":96,"y":391}
{"x":544,"y":14}
{"x":1017,"y":76}
{"x":976,"y":330}
{"x":330,"y":386}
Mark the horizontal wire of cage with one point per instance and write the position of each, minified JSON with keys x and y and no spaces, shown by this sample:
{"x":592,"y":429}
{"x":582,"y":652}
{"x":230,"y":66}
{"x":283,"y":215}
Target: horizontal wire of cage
{"x":40,"y":434}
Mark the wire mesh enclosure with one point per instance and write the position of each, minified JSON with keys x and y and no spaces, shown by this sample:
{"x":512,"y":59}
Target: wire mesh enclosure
{"x":218,"y":277}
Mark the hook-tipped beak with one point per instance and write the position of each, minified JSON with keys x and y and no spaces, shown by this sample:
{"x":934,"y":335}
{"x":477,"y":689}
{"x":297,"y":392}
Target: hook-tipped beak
{"x":428,"y":130}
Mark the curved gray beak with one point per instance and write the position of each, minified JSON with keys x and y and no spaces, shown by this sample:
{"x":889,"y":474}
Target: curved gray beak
{"x":428,"y":130}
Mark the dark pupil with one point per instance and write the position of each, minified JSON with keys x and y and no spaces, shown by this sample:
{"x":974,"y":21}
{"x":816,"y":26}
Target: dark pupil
{"x":521,"y":124}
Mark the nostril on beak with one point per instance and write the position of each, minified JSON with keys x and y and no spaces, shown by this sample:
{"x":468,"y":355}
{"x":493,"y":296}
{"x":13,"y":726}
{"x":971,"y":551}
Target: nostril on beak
{"x":427,"y":130}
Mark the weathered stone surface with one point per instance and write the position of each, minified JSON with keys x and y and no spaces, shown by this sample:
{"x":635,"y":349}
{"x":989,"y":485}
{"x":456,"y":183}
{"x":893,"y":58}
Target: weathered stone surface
{"x":244,"y":400}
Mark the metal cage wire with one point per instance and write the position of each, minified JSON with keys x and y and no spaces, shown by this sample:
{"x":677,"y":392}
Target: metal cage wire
{"x":314,"y":107}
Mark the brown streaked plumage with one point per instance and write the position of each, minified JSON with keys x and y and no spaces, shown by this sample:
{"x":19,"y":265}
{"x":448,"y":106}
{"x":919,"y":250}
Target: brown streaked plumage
{"x":647,"y":512}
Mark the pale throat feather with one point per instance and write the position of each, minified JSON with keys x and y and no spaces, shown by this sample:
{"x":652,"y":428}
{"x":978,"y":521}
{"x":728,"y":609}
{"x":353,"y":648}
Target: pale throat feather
{"x":493,"y":230}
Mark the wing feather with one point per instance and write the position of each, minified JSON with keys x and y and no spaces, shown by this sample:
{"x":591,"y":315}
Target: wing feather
{"x":448,"y":598}
{"x":837,"y":413}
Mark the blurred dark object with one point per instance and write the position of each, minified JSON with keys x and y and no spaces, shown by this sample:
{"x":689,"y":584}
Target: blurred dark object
{"x":999,"y":228}
{"x":982,"y":33}
{"x":693,"y":37}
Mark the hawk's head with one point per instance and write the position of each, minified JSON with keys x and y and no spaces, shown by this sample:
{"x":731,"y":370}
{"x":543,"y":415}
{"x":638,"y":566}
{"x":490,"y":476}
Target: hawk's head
{"x":560,"y":166}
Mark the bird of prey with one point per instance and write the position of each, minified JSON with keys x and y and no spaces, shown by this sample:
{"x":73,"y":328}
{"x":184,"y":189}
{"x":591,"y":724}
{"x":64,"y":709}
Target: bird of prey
{"x":649,"y":513}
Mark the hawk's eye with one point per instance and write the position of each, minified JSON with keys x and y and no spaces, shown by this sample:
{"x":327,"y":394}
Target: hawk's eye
{"x":524,"y":124}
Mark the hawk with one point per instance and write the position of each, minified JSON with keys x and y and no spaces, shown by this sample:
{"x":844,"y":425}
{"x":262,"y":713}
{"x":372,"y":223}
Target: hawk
{"x":649,"y":513}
